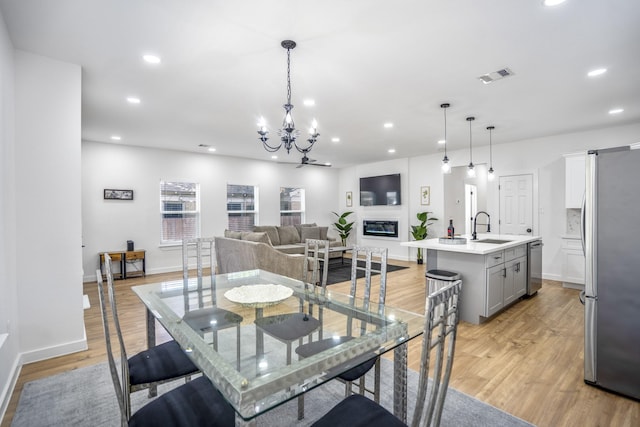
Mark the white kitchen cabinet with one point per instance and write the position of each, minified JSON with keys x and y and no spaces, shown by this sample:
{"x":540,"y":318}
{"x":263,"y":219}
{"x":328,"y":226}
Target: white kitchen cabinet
{"x":495,"y":289}
{"x":573,"y":263}
{"x":574,"y":180}
{"x":507,"y":281}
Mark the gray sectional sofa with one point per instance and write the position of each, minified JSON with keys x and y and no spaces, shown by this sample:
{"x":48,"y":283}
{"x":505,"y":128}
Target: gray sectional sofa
{"x":287,"y":239}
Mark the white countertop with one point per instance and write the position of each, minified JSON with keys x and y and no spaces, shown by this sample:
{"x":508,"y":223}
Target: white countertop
{"x":472,"y":247}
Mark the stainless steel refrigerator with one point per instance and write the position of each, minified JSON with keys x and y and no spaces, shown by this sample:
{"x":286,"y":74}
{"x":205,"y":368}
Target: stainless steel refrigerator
{"x":611,"y":239}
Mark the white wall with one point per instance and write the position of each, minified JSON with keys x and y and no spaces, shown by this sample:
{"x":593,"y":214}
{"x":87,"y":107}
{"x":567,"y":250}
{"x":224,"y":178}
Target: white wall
{"x":108,"y":224}
{"x":47,"y":201}
{"x":8,"y":287}
{"x":541,"y":157}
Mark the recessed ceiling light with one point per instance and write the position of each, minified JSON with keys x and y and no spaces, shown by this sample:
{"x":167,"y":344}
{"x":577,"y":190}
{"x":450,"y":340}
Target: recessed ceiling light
{"x":597,"y":72}
{"x":441,"y":142}
{"x":616,"y":110}
{"x":327,"y":163}
{"x":152,"y":59}
{"x":309,"y":102}
{"x":388,"y":125}
{"x":335,"y":139}
{"x":211,"y":149}
{"x":552,"y":2}
{"x":116,"y":137}
{"x":274,"y":157}
{"x":133,"y":100}
{"x":391,"y":150}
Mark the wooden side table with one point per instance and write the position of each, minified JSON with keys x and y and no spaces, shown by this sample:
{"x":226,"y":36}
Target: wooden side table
{"x":125,"y":259}
{"x":131,"y":259}
{"x":116,"y":257}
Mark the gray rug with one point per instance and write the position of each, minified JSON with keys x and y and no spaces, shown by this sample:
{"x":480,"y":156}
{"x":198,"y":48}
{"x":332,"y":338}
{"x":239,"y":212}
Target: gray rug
{"x":341,"y":271}
{"x":85,"y":397}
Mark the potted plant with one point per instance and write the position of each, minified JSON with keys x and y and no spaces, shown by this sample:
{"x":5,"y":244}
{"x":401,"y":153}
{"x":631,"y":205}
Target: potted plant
{"x":343,"y":227}
{"x":421,"y":231}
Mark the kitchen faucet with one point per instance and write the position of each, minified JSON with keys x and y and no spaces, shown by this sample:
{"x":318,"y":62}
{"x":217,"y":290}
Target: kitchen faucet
{"x":474,"y":235}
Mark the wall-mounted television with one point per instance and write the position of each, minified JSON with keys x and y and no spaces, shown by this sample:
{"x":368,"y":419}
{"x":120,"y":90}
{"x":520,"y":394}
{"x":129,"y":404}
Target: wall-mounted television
{"x":383,"y":190}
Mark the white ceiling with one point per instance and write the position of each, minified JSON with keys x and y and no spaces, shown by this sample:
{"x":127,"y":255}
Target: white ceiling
{"x":364,"y":62}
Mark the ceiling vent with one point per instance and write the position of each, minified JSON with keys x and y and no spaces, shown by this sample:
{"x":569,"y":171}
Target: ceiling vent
{"x":495,"y":75}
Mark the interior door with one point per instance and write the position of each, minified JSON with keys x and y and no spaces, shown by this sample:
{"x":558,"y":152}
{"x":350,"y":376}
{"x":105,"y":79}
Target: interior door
{"x":516,"y":204}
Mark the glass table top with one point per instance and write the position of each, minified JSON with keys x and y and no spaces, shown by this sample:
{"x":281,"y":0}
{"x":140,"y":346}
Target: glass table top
{"x":245,"y":341}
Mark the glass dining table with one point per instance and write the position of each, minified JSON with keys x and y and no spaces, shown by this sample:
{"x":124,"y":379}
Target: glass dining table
{"x":226,"y":324}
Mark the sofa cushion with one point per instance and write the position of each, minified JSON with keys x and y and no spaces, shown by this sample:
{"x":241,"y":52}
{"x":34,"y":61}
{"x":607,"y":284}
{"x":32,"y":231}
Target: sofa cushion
{"x":288,"y":235}
{"x":253,"y":236}
{"x":299,"y":227}
{"x":309,"y":233}
{"x":271,"y":230}
{"x":233,"y":234}
{"x":323,"y":232}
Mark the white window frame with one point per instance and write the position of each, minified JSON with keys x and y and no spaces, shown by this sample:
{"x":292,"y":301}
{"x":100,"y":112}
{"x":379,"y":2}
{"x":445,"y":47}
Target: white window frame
{"x":255,"y":211}
{"x":166,"y":240}
{"x":301,"y":211}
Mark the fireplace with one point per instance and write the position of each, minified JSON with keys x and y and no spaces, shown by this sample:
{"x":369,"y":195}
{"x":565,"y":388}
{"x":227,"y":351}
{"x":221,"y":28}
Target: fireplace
{"x":380,"y":228}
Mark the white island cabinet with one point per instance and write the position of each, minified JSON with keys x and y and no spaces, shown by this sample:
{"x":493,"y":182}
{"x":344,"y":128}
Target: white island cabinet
{"x":494,"y":275}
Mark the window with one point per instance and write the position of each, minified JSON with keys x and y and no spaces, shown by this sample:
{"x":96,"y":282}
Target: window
{"x":179,"y":211}
{"x":291,"y":206}
{"x":242,"y":207}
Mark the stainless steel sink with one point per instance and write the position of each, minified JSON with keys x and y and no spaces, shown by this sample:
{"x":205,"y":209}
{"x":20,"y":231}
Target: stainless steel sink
{"x":492,"y":241}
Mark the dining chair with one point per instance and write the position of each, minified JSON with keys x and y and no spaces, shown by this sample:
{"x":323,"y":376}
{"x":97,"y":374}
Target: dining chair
{"x":195,"y":404}
{"x":440,"y":328}
{"x":149,"y":368}
{"x":290,"y":327}
{"x":362,"y":259}
{"x":201,"y":311}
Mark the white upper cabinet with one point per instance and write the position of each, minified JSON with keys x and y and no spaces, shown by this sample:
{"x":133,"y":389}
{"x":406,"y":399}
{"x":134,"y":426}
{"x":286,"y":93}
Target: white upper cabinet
{"x":574,"y":179}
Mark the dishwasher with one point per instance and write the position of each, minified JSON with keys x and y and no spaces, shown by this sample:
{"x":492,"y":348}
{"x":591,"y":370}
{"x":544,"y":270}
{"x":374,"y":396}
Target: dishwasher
{"x":534,"y":267}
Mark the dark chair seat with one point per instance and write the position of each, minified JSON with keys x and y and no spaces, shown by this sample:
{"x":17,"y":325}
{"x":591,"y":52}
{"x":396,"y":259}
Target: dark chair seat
{"x":160,"y":363}
{"x":196,"y":403}
{"x":211,"y":319}
{"x":288,"y":327}
{"x":358,"y":411}
{"x":315,"y":347}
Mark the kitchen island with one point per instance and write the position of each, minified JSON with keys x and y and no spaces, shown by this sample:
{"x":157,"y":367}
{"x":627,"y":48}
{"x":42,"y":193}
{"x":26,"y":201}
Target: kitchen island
{"x":493,"y":270}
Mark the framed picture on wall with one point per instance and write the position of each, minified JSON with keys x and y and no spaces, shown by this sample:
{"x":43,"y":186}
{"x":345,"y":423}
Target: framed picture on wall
{"x":425,"y":195}
{"x":111,"y":194}
{"x":349,"y":199}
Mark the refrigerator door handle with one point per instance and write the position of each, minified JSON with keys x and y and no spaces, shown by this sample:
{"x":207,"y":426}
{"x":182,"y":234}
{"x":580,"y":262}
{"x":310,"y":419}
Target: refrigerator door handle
{"x":582,"y":222}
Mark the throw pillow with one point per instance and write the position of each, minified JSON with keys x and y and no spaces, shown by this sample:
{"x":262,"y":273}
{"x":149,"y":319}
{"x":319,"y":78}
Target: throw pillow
{"x":233,"y":234}
{"x":288,"y":235}
{"x":323,"y":232}
{"x":300,"y":226}
{"x":271,"y":231}
{"x":310,"y":233}
{"x":253,"y":236}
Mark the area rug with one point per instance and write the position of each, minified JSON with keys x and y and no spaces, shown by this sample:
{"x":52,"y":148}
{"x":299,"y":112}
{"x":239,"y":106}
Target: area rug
{"x":85,"y":397}
{"x":340,"y":270}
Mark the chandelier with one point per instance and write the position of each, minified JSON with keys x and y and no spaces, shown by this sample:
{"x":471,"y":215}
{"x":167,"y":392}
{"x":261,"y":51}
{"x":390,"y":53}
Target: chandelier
{"x":288,"y":133}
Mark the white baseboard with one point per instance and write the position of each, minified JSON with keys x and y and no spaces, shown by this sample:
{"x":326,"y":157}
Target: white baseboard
{"x":55,"y":351}
{"x":556,"y":277}
{"x":8,"y":388}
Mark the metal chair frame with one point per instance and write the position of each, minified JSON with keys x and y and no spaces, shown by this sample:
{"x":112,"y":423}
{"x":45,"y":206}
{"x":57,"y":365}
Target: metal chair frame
{"x":368,"y":255}
{"x":205,"y":249}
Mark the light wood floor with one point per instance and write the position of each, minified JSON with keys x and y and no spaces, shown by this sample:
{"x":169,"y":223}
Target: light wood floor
{"x":527,"y":361}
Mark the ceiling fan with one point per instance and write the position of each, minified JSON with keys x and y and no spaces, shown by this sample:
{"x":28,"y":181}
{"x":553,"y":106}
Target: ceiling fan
{"x":310,"y":162}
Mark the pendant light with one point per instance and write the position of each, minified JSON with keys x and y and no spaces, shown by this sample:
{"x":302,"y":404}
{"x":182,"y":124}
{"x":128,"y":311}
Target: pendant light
{"x":471,"y":171}
{"x":446,"y":167}
{"x":491,"y":176}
